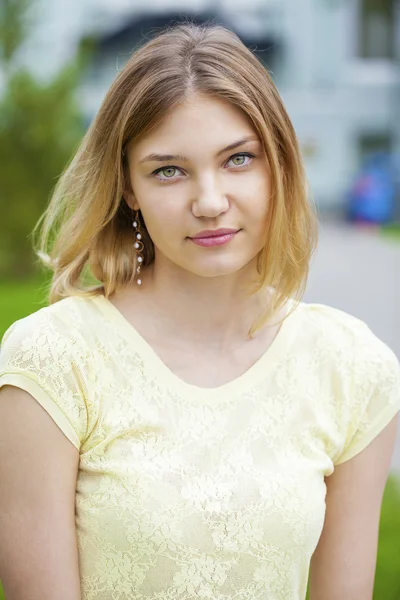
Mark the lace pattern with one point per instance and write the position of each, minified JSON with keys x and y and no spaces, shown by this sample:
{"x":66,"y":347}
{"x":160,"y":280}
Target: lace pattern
{"x":183,"y":493}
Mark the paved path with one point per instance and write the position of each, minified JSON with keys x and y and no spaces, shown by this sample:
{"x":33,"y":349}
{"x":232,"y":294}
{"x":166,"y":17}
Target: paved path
{"x":358,"y":270}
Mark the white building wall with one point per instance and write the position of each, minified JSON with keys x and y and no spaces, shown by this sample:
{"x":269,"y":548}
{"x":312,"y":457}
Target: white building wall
{"x":331,"y":95}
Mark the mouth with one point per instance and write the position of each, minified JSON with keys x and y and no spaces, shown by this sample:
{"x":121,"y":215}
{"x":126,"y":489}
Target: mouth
{"x":216,"y":237}
{"x":207,"y":233}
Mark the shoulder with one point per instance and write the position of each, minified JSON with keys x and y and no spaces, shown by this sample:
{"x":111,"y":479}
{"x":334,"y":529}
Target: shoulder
{"x":337,"y":327}
{"x":368,"y":360}
{"x":47,"y":354}
{"x":330,"y":321}
{"x":346,"y":341}
{"x":55,"y":329}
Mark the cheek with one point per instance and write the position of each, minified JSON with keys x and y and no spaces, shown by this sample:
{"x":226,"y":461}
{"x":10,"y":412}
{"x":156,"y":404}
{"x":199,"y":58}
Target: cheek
{"x":162,"y":215}
{"x":256,"y":199}
{"x":264,"y":195}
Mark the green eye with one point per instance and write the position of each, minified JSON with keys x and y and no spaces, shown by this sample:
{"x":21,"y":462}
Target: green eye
{"x":165,"y":171}
{"x":241,"y":159}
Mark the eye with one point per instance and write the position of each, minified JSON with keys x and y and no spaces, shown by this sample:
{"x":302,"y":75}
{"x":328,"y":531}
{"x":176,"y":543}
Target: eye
{"x":241,"y":156}
{"x":167,"y":171}
{"x":170,"y":171}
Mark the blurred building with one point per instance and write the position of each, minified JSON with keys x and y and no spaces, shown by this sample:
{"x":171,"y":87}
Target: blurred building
{"x":335,"y":62}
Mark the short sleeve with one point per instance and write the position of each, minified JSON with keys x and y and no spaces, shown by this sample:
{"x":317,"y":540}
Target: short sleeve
{"x":375,"y":392}
{"x":41,"y":355}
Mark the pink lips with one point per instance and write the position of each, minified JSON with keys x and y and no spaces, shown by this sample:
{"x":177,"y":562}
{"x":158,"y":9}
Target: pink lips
{"x":216,"y":237}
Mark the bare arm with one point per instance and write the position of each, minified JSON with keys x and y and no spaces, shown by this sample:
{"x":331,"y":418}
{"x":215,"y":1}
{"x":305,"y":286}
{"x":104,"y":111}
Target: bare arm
{"x":38,"y":471}
{"x":344,"y":562}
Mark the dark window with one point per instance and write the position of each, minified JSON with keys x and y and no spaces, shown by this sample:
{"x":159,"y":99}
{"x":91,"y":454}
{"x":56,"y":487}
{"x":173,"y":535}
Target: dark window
{"x":377,"y":29}
{"x":371,"y":143}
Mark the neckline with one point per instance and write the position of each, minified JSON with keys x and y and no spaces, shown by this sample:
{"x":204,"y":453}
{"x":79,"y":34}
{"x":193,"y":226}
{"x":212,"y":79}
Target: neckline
{"x":246,"y":381}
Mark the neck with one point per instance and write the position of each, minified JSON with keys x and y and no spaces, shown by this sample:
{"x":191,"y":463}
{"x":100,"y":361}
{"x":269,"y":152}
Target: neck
{"x":212,"y":311}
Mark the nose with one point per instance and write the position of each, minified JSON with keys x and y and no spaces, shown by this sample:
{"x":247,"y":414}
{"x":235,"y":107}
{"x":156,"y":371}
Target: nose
{"x":210,"y":200}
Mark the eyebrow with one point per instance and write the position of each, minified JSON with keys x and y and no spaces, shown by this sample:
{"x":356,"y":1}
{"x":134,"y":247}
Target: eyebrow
{"x":166,"y":157}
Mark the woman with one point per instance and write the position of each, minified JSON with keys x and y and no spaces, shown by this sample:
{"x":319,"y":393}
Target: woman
{"x":205,"y":433}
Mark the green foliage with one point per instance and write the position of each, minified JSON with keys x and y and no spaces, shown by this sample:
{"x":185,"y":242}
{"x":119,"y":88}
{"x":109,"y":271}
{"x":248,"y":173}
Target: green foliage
{"x":17,"y":300}
{"x":14,"y":26}
{"x":40,"y":127}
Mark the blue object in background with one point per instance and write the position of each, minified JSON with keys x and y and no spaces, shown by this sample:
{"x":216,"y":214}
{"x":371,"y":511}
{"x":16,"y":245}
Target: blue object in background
{"x":372,"y":196}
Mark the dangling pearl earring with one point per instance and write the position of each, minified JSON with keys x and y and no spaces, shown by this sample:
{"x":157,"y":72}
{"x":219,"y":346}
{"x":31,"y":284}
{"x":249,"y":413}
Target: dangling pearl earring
{"x":139,"y":247}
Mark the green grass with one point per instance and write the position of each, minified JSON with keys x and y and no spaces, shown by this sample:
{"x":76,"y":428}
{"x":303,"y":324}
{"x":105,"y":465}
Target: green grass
{"x":387,"y":580}
{"x":391,"y":231}
{"x":19,"y":299}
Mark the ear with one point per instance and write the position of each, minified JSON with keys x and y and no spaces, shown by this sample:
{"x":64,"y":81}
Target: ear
{"x":130,"y":199}
{"x":129,"y":195}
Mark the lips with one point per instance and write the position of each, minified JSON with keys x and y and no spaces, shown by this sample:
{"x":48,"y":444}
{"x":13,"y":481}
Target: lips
{"x":211,"y":233}
{"x":215,"y":237}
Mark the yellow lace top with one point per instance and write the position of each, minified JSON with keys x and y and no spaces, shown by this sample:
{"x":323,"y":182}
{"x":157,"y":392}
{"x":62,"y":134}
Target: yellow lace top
{"x":191,"y":493}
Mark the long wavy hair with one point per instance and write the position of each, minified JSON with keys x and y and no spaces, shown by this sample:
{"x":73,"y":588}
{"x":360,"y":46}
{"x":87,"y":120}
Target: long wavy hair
{"x":85,"y":234}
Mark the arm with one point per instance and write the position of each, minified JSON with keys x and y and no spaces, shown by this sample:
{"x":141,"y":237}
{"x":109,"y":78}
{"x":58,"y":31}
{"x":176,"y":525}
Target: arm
{"x":38,"y":471}
{"x":343,"y":564}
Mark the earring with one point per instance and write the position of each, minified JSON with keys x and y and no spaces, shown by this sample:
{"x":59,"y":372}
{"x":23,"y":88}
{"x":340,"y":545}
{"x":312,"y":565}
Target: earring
{"x":139,"y":247}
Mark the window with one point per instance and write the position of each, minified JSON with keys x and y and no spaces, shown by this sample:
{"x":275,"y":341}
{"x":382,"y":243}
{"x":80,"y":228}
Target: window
{"x":370,"y":144}
{"x":377,"y":29}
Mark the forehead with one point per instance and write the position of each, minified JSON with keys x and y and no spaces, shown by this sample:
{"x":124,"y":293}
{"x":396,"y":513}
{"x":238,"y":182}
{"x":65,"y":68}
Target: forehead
{"x":202,"y":120}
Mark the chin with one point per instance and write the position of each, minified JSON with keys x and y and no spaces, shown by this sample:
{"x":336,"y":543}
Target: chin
{"x":216,"y":270}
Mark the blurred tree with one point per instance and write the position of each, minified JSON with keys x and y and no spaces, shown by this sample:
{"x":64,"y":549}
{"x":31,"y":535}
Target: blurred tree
{"x":40,"y":127}
{"x":14,"y":27}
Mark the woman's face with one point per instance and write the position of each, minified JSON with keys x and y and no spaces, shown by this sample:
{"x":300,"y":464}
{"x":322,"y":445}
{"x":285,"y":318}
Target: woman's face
{"x":200,"y":186}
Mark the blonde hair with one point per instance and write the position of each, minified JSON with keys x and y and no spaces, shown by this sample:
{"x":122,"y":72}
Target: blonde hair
{"x":86,"y":235}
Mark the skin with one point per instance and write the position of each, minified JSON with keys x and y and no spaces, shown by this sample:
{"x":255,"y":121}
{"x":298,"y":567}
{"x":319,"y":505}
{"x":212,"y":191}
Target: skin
{"x":205,"y":192}
{"x":38,"y":545}
{"x":343,"y":564}
{"x":195,"y":297}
